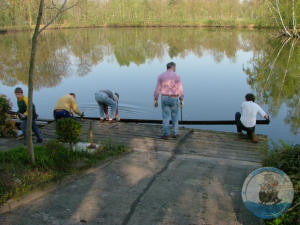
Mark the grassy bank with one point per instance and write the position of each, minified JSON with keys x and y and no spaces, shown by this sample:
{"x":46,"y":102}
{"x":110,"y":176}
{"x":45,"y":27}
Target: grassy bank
{"x":53,"y":162}
{"x":286,"y":158}
{"x":202,"y":23}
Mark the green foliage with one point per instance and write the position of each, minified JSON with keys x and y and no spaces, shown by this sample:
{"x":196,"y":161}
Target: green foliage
{"x":274,"y":75}
{"x":286,"y":158}
{"x":53,"y":161}
{"x":68,"y":130}
{"x":7,"y":126}
{"x":22,"y":13}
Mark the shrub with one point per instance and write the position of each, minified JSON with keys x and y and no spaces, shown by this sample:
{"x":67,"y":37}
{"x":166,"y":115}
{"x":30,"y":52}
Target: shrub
{"x":286,"y":158}
{"x":53,"y":161}
{"x":68,"y":130}
{"x":7,"y":126}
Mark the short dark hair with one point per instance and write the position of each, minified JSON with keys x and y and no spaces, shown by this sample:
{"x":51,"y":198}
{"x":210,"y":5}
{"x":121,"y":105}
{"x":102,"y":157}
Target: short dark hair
{"x":18,"y":90}
{"x":250,"y":97}
{"x":170,"y":65}
{"x":72,"y":94}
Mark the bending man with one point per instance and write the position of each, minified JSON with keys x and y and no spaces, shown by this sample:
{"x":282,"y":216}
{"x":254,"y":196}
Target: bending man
{"x":106,"y":98}
{"x":65,"y":107}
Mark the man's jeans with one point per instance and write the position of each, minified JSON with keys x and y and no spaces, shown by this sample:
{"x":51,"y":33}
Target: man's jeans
{"x":61,"y":114}
{"x":240,"y":126}
{"x":169,"y":107}
{"x":34,"y":128}
{"x":103,"y":100}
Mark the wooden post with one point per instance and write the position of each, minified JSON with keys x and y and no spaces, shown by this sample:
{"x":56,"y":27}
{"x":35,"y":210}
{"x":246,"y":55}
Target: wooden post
{"x":91,"y":145}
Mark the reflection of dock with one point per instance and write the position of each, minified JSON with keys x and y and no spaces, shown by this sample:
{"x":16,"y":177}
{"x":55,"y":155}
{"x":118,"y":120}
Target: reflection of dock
{"x":195,"y":179}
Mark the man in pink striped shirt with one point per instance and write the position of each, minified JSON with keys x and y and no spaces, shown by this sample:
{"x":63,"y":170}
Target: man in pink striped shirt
{"x":170,"y":87}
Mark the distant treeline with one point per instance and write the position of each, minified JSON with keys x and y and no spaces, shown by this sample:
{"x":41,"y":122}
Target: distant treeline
{"x":22,"y":13}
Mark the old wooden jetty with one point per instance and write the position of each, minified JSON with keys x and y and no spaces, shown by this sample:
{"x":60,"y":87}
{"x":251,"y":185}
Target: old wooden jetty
{"x":148,"y":137}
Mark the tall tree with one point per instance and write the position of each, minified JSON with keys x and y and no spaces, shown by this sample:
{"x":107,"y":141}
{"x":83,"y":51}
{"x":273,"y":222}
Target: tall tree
{"x":34,"y":44}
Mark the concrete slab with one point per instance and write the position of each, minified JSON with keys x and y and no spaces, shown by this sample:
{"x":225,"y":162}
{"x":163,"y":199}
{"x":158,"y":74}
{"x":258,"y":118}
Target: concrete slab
{"x":160,"y":186}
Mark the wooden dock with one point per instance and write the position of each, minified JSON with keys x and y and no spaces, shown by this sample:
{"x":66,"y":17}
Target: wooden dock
{"x":148,"y":137}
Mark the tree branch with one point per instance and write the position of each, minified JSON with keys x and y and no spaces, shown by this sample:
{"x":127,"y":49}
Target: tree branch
{"x":53,"y":18}
{"x":282,"y":23}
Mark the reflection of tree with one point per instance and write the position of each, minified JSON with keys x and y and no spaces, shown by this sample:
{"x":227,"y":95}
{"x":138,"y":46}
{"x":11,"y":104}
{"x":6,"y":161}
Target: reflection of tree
{"x":51,"y":63}
{"x":274,"y":75}
{"x":85,"y":48}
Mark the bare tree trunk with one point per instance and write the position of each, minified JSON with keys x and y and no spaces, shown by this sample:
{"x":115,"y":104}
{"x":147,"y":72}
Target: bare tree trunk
{"x":30,"y":81}
{"x":34,"y":43}
{"x":295,"y":32}
{"x":29,"y":12}
{"x":281,"y":20}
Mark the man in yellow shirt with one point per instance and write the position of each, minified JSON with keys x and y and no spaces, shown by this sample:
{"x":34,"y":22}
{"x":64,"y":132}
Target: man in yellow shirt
{"x":66,"y":106}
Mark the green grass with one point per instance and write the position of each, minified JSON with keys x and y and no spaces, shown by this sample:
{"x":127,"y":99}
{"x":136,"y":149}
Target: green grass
{"x":286,"y":158}
{"x":53,"y":162}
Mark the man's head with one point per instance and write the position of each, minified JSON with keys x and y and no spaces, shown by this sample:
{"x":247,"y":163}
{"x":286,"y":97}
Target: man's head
{"x":19,"y":92}
{"x":73,"y":94}
{"x":171,"y":66}
{"x":250,"y":97}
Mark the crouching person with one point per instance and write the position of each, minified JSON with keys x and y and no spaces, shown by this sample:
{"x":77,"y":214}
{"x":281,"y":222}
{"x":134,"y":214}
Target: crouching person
{"x":105,"y":99}
{"x":66,"y":106}
{"x":23,"y":112}
{"x":246,"y":120}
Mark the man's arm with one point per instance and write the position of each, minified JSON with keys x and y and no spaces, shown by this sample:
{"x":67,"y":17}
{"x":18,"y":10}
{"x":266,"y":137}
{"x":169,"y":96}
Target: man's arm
{"x":26,"y":103}
{"x":180,"y":90}
{"x":157,"y":89}
{"x":262,"y":113}
{"x":74,"y":107}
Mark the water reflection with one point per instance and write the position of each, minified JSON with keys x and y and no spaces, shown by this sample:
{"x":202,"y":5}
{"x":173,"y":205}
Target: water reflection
{"x":86,"y":48}
{"x":52,"y":60}
{"x":272,"y":73}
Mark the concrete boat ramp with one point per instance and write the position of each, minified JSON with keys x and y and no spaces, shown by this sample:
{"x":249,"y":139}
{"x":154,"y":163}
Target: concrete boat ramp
{"x":192,"y":180}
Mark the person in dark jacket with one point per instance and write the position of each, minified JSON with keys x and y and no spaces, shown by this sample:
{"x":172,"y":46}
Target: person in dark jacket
{"x":22,"y":102}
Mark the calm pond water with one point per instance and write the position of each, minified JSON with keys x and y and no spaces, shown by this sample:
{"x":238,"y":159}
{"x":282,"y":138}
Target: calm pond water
{"x":218,"y":67}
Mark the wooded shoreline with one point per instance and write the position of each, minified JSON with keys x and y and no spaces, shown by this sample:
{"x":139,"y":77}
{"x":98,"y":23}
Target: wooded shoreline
{"x":59,"y":27}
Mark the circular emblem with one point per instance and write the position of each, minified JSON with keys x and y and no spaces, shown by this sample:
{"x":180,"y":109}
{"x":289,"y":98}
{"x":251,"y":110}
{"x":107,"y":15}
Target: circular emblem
{"x":267,"y":192}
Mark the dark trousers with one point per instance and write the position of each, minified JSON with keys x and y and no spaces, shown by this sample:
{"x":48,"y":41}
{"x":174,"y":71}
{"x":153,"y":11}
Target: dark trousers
{"x":34,"y":128}
{"x":61,"y":114}
{"x":240,"y":127}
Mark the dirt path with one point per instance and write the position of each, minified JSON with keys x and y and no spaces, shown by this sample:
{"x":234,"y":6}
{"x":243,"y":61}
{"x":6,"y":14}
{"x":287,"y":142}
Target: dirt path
{"x":183,"y":183}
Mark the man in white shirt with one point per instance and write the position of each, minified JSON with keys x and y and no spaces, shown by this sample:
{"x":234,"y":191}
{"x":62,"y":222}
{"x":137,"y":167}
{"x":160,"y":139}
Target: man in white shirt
{"x":247,"y":120}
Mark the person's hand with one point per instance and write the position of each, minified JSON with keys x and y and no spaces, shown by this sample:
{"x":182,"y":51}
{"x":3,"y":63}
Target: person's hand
{"x":181,"y":103}
{"x":118,"y":118}
{"x":21,"y":116}
{"x":155,"y":103}
{"x":266,"y":117}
